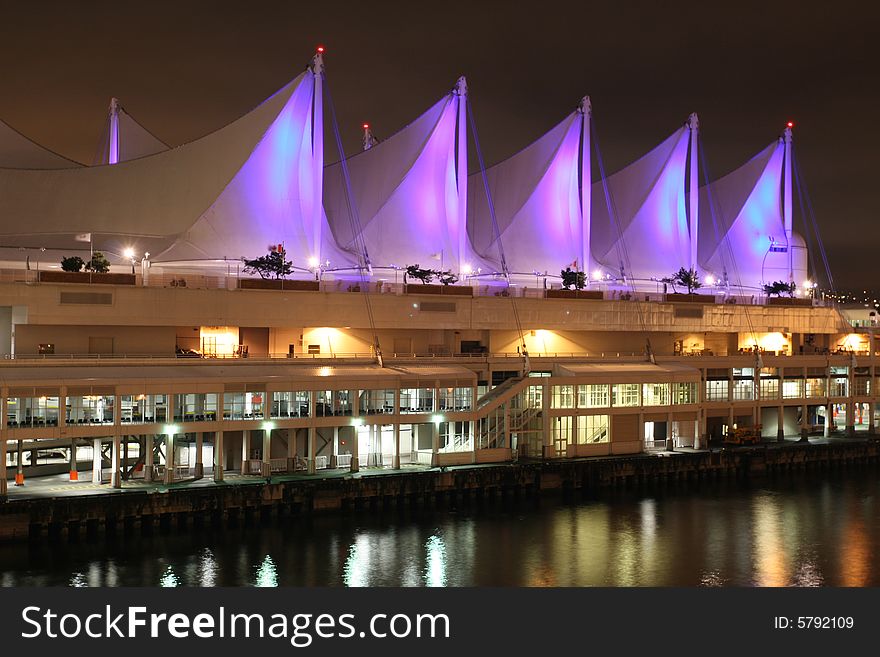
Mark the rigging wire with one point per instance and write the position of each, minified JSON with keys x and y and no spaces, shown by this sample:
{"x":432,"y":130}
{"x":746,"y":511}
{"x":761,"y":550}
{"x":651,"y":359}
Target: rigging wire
{"x":622,"y":251}
{"x":364,"y":266}
{"x":495,"y":228}
{"x":724,"y":242}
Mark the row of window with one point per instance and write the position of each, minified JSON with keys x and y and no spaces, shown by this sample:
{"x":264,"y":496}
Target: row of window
{"x":603,"y":395}
{"x":145,"y":409}
{"x":770,"y":388}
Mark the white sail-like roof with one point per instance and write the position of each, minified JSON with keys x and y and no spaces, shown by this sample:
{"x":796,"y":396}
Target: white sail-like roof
{"x":134,"y":140}
{"x":746,"y":241}
{"x":650,"y":202}
{"x":229,"y":194}
{"x":405,"y":191}
{"x":537,"y":203}
{"x":19,"y":152}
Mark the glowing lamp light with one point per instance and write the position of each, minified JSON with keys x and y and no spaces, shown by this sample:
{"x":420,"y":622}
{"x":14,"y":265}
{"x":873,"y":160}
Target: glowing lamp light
{"x":268,"y":426}
{"x":467,"y":269}
{"x":597,"y":275}
{"x":171,"y":429}
{"x":437,"y":419}
{"x":313,"y":262}
{"x":128,"y":253}
{"x":710,"y":280}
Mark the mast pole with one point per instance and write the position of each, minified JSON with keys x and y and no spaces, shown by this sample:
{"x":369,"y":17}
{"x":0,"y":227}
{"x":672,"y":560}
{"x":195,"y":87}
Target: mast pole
{"x":786,"y":201}
{"x":694,"y":192}
{"x":461,"y":92}
{"x":586,"y":111}
{"x":113,"y":156}
{"x":318,"y":153}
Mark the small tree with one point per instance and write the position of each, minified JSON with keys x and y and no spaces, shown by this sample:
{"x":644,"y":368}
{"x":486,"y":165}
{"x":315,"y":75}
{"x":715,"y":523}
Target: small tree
{"x":572,"y":278}
{"x":447,"y":277}
{"x":686,"y":278}
{"x":779,"y":288}
{"x":98,"y":264}
{"x":273,"y":265}
{"x":72,"y":263}
{"x":423,"y":275}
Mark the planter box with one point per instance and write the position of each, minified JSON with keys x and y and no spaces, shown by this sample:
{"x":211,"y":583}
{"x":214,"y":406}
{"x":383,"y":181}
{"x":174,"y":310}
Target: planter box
{"x":789,"y":301}
{"x":453,"y":290}
{"x":278,"y":284}
{"x":573,"y":294}
{"x":690,"y":298}
{"x":86,"y":277}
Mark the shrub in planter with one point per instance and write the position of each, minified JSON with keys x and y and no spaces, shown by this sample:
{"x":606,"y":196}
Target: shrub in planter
{"x":72,"y":263}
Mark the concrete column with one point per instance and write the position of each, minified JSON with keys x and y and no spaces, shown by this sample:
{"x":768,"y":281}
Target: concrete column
{"x":291,"y":450}
{"x":850,"y":414}
{"x":355,"y":462}
{"x":395,"y":461}
{"x":245,"y":450}
{"x":435,"y":444}
{"x":780,"y":424}
{"x":19,"y":466}
{"x":871,"y":406}
{"x":74,"y":475}
{"x":547,"y":449}
{"x":313,"y":440}
{"x":62,"y":405}
{"x":169,"y":459}
{"x":730,"y":418}
{"x":670,"y":441}
{"x":334,"y":457}
{"x":148,"y":457}
{"x":805,"y":422}
{"x":641,"y":431}
{"x":97,"y":462}
{"x":115,"y":465}
{"x":700,"y":430}
{"x":267,"y":453}
{"x":3,"y":484}
{"x":219,"y":451}
{"x":200,"y":465}
{"x":829,"y":419}
{"x":125,"y":459}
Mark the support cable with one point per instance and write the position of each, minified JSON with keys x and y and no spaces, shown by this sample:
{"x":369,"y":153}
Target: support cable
{"x":364,"y":266}
{"x":496,"y":229}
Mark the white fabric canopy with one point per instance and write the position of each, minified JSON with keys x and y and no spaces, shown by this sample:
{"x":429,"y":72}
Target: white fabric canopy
{"x":19,"y":152}
{"x":405,"y":191}
{"x":231,"y":193}
{"x":650,"y":202}
{"x":749,"y":245}
{"x":537,"y":204}
{"x":134,"y":140}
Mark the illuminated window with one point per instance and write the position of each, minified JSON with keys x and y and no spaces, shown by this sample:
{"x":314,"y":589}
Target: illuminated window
{"x":563,"y":397}
{"x":717,"y":390}
{"x":416,"y":400}
{"x":792,"y":388}
{"x":815,"y":386}
{"x":143,"y":409}
{"x":625,"y":394}
{"x":655,"y":394}
{"x":684,"y":393}
{"x":594,"y":396}
{"x":592,"y":429}
{"x":32,"y":411}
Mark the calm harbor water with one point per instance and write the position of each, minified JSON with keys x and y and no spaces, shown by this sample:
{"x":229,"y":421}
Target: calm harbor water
{"x":807,"y":532}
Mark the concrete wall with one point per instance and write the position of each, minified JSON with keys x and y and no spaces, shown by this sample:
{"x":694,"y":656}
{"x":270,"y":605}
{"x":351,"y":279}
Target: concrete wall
{"x":146,"y":306}
{"x":142,"y":340}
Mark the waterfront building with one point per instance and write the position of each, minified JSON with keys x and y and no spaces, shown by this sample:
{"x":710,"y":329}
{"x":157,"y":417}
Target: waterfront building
{"x":178,"y":365}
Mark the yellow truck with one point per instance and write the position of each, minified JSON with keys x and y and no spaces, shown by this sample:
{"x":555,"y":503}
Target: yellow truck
{"x":743,"y":435}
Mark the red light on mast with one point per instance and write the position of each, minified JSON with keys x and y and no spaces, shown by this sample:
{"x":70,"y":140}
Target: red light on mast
{"x":790,"y":124}
{"x":366,"y":126}
{"x":320,"y":50}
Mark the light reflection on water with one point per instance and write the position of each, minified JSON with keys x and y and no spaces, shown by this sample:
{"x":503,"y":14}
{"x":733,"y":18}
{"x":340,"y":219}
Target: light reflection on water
{"x":807,"y":533}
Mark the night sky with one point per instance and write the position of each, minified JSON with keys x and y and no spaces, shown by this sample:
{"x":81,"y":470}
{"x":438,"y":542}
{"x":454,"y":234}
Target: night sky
{"x":186,"y":68}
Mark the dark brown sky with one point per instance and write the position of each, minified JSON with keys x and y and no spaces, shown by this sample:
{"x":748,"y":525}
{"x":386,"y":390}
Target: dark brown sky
{"x":185,"y":68}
